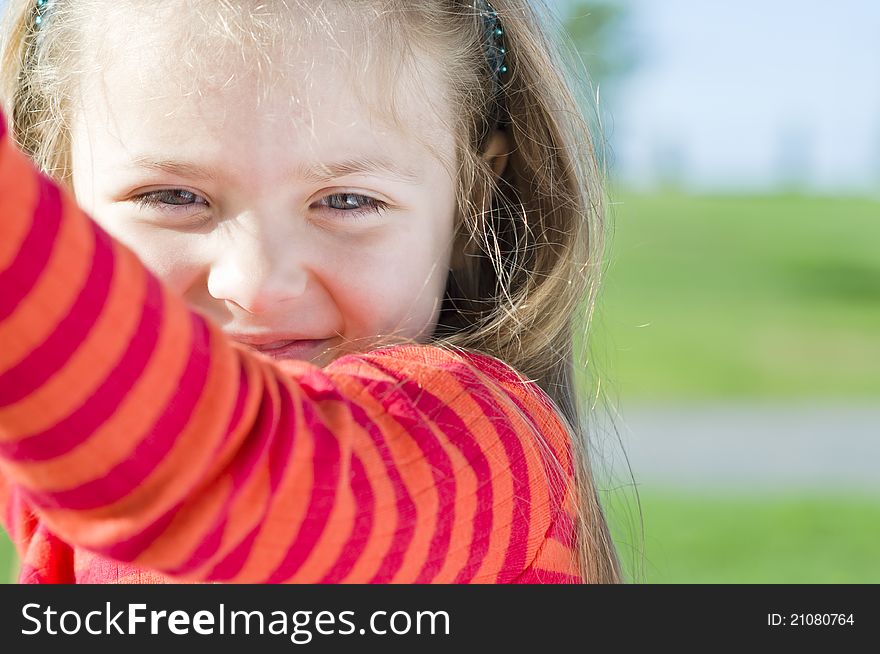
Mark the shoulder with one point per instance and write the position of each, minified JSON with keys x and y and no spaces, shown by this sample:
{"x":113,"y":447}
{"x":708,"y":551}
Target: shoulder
{"x":430,"y":363}
{"x":452,"y":372}
{"x":458,"y":377}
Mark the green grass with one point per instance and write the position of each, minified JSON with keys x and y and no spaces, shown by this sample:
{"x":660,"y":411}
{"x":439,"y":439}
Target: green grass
{"x":773,"y":297}
{"x":8,"y":562}
{"x":702,"y":537}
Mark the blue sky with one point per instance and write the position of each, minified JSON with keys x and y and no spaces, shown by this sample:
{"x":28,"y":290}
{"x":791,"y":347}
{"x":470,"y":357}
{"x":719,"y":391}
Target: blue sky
{"x":752,"y":93}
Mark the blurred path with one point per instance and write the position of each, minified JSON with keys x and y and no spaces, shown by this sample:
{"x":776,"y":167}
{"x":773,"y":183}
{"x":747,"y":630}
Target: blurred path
{"x":755,"y":447}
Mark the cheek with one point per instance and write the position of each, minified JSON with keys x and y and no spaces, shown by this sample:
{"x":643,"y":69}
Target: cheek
{"x":175,"y":258}
{"x":396,"y":291}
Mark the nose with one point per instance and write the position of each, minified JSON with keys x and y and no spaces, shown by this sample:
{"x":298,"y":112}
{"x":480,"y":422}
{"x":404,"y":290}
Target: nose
{"x":258,"y":270}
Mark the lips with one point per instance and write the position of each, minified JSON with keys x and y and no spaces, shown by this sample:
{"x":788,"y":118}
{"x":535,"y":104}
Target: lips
{"x":301,"y":349}
{"x":283,"y":348}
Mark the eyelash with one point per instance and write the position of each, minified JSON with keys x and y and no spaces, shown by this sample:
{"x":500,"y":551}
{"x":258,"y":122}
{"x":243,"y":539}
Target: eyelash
{"x":152,"y":200}
{"x":372,"y":205}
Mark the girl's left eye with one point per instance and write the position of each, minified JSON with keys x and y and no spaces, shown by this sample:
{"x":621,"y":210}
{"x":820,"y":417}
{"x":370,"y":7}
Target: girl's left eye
{"x":353,"y":204}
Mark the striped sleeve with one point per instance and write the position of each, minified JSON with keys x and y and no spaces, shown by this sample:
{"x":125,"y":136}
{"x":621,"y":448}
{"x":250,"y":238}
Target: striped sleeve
{"x":133,"y":428}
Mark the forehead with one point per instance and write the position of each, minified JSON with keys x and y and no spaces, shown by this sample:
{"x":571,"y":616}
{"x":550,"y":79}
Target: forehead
{"x":335,"y":75}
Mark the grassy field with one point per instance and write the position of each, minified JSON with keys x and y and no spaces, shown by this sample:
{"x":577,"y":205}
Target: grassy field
{"x":717,"y":538}
{"x":772,"y":297}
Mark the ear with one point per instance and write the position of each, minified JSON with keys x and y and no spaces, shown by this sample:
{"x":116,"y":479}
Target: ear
{"x":497,"y":152}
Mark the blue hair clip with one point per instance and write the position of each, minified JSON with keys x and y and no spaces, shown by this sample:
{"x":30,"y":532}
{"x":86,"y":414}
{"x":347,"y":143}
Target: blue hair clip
{"x":41,"y":12}
{"x":493,"y":38}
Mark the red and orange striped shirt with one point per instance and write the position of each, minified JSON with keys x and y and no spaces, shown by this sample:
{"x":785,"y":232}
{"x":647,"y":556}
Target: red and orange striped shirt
{"x":139,"y":444}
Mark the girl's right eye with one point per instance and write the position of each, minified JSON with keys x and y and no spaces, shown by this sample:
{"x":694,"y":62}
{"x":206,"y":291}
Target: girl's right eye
{"x":166,"y":198}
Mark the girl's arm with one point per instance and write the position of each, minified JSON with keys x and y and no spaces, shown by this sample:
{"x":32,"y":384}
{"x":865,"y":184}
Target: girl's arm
{"x":132,"y":427}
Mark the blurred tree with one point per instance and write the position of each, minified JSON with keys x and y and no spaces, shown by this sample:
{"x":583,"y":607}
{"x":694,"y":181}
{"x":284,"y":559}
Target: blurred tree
{"x":598,"y":29}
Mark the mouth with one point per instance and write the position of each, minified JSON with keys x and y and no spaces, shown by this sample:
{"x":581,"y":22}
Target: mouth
{"x":304,"y":349}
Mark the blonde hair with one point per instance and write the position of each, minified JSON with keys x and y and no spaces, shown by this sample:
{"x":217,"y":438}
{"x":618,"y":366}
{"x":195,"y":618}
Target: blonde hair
{"x":528,"y":254}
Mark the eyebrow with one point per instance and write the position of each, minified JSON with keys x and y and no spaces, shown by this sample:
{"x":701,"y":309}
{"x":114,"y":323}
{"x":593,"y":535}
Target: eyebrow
{"x":361,"y":165}
{"x":173,"y":167}
{"x":319,"y":172}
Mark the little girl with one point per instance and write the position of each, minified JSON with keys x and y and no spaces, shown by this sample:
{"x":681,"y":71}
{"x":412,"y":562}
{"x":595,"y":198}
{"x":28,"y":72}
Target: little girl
{"x":276,"y":354}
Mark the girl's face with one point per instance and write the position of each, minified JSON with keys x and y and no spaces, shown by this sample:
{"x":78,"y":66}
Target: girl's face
{"x":295,"y":216}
